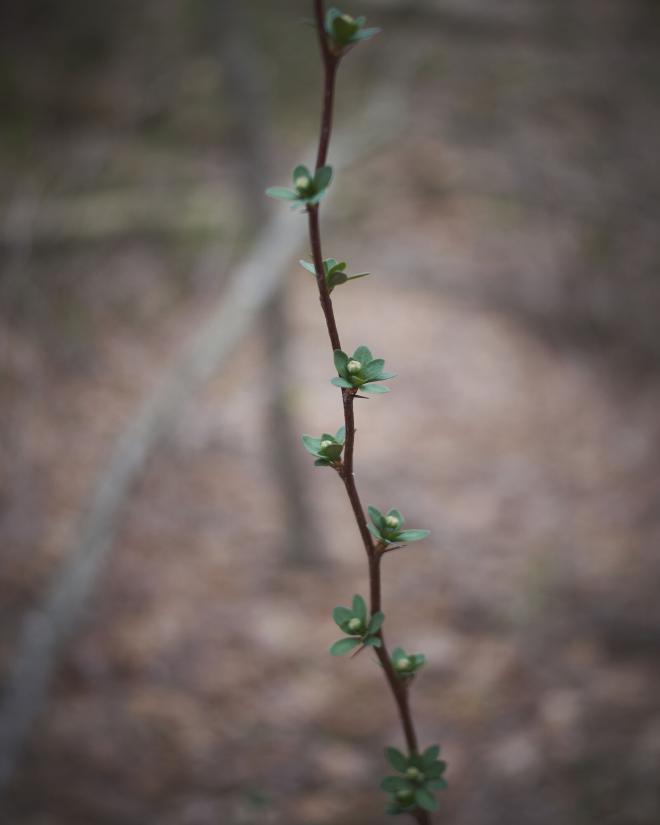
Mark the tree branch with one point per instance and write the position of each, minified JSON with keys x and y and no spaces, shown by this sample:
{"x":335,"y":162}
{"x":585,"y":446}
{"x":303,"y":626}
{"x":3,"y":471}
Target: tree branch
{"x":397,"y":687}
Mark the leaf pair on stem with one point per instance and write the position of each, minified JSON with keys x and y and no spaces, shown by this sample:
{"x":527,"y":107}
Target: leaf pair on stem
{"x":327,"y":449}
{"x":388,"y":528}
{"x":360,"y":370}
{"x":308,"y":188}
{"x":344,"y":30}
{"x":334,"y":272}
{"x":421,"y":774}
{"x":361,"y":629}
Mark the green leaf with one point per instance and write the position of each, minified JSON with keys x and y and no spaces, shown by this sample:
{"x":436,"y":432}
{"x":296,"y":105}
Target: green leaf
{"x":360,"y":608}
{"x":311,"y":444}
{"x":322,"y":178}
{"x":359,"y":275}
{"x":341,"y":382}
{"x":333,"y":451}
{"x":430,"y":755}
{"x":315,"y":198}
{"x":376,"y":516}
{"x":436,"y":784}
{"x":376,"y":623}
{"x":366,"y":34}
{"x":281,"y":193}
{"x":329,"y":18}
{"x":396,"y":759}
{"x":363,"y":355}
{"x":413,"y":535}
{"x":419,"y":660}
{"x":373,"y":641}
{"x":373,"y":369}
{"x":343,"y":30}
{"x":309,"y":266}
{"x":336,"y":278}
{"x":301,"y":172}
{"x":435,"y":770}
{"x":383,"y":376}
{"x":341,"y":435}
{"x":321,"y":462}
{"x":398,"y":653}
{"x":374,"y":532}
{"x":344,"y":646}
{"x":338,"y":266}
{"x":426,"y":800}
{"x":341,"y":614}
{"x":375,"y":389}
{"x":392,"y":784}
{"x":341,"y":360}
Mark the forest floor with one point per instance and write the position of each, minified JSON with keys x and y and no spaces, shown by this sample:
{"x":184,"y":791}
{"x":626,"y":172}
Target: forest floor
{"x":198,"y":689}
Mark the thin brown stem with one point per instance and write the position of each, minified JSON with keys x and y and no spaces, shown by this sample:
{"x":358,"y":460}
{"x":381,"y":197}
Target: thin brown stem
{"x":330,"y":63}
{"x":398,"y":688}
{"x":324,"y":294}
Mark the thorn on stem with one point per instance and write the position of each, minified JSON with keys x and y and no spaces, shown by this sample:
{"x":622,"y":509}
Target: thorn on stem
{"x":356,"y":651}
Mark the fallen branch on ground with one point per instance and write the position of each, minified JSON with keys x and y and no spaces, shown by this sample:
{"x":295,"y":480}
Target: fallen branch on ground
{"x":47,"y":628}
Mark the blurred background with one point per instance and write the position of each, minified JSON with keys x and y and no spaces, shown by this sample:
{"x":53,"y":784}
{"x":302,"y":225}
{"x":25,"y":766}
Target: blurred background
{"x":168,"y":553}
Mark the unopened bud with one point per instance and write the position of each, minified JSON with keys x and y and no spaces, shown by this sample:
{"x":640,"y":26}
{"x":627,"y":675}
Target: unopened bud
{"x":355,"y":624}
{"x":403,"y":663}
{"x":347,"y":18}
{"x":391,"y":521}
{"x":302,"y":183}
{"x":353,"y":366}
{"x":413,"y":773}
{"x":405,"y":797}
{"x":325,"y":444}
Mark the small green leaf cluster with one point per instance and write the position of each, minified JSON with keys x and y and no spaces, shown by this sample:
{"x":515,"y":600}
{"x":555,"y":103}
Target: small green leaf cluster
{"x":308,"y":188}
{"x":360,"y":370}
{"x":334,"y":272}
{"x":421,"y":775}
{"x":327,"y":449}
{"x":359,"y":629}
{"x":405,"y":664}
{"x":388,"y":528}
{"x":345,"y":30}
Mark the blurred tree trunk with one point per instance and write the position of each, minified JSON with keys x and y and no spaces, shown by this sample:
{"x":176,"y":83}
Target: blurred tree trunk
{"x":244,"y":74}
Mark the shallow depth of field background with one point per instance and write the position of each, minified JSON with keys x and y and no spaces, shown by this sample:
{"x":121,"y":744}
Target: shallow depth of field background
{"x":509,"y":214}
